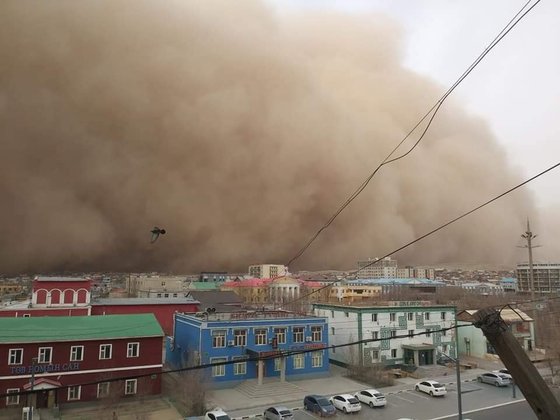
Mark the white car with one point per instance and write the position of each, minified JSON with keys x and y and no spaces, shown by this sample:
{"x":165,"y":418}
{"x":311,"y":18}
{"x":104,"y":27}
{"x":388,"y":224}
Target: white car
{"x":346,"y":402}
{"x":216,"y":414}
{"x":497,"y":379}
{"x":435,"y":389}
{"x":372,"y":397}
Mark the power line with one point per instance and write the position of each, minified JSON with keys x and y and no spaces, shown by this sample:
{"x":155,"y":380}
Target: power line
{"x":433,"y":112}
{"x":435,"y":230}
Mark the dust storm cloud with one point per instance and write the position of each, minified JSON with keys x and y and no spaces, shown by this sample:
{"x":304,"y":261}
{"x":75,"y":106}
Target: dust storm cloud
{"x":236,"y":129}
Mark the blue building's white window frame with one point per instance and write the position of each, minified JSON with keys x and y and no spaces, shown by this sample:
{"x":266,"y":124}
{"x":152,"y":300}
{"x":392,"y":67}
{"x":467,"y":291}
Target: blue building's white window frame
{"x":219,"y":338}
{"x":280,"y":335}
{"x":298,"y":334}
{"x":220,"y":370}
{"x":239,"y":368}
{"x":277,"y":364}
{"x":317,"y":333}
{"x":240,"y":337}
{"x":317,"y":359}
{"x":299,"y":361}
{"x":260,"y":336}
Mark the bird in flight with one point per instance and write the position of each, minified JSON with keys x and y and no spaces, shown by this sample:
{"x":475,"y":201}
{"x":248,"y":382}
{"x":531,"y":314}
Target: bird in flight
{"x":156,"y":232}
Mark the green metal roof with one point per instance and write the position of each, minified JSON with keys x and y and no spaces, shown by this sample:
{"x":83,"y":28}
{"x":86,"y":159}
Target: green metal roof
{"x":71,"y":328}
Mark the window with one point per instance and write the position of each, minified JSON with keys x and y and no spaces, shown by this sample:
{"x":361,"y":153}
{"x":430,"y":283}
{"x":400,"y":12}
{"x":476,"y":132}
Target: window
{"x":174,"y":294}
{"x":132,"y":349}
{"x":298,"y":334}
{"x":45,"y":354}
{"x":316,"y":333}
{"x":15,"y":357}
{"x":346,"y":314}
{"x":12,"y":399}
{"x":411,"y":333}
{"x":393,"y":334}
{"x":427,"y":316}
{"x":443,"y":316}
{"x":428,"y":332}
{"x":444,"y":348}
{"x":218,"y":338}
{"x":218,"y":370}
{"x":394,"y":353}
{"x":27,"y":315}
{"x":277,"y":364}
{"x":374,"y":317}
{"x":76,"y":354}
{"x":105,"y":351}
{"x":240,"y":337}
{"x":317,"y":359}
{"x":103,"y":389}
{"x":392,"y":317}
{"x":444,"y":333}
{"x":332,"y":312}
{"x":280,"y":334}
{"x":74,"y":393}
{"x":260,"y":336}
{"x":375,"y":355}
{"x":332,"y":330}
{"x":239,"y":368}
{"x":410,"y":316}
{"x":130,"y":386}
{"x":299,"y":361}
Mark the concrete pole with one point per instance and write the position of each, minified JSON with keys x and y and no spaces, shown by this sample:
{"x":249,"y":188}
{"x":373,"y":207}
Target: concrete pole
{"x":527,"y":377}
{"x":458,"y":371}
{"x":260,"y":373}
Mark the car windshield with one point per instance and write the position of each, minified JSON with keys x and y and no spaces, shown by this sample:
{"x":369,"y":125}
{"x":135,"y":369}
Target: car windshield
{"x":223,"y":417}
{"x":436,"y":385}
{"x":353,"y":400}
{"x":323,"y":401}
{"x":378,"y":394}
{"x":503,"y":376}
{"x":285,"y":412}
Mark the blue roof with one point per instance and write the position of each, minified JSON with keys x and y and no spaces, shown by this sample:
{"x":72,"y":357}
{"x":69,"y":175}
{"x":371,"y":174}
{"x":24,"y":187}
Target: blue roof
{"x":508,"y":280}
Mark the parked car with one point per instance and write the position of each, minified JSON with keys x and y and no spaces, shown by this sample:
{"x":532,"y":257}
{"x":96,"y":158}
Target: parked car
{"x":346,"y":402}
{"x":497,"y":379}
{"x":319,"y":404}
{"x":372,"y":397}
{"x":278,"y":413}
{"x":216,"y":414}
{"x":435,"y":389}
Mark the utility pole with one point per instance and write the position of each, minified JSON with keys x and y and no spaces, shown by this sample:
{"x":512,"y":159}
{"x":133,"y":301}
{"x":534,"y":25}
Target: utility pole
{"x":526,"y":376}
{"x":528,"y":235}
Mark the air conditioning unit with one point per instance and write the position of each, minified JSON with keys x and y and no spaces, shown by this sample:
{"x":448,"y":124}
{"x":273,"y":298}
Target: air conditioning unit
{"x":231,"y":343}
{"x":308,"y":338}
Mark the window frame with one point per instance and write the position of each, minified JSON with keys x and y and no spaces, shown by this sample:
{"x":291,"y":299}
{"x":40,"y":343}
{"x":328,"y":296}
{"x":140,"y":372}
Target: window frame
{"x":20,"y":350}
{"x":392,"y":316}
{"x":298,"y":334}
{"x":105,"y":387}
{"x":102,"y":353}
{"x":260,"y":337}
{"x":70,"y":391}
{"x":296,"y":358}
{"x":317,"y":359}
{"x":280,"y":335}
{"x":9,"y":398}
{"x":134,"y":345}
{"x":127,"y":382}
{"x":374,"y":318}
{"x":41,"y":354}
{"x":72,"y":358}
{"x":316,"y":333}
{"x":394,"y":353}
{"x":240,"y":337}
{"x":218,"y":371}
{"x":240,"y":366}
{"x":219,"y":338}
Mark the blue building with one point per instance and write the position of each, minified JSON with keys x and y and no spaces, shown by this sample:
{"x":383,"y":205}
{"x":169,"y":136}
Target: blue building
{"x":238,"y":336}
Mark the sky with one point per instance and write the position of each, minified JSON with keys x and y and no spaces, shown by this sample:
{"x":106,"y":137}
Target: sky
{"x":515,"y":89}
{"x":241,"y":127}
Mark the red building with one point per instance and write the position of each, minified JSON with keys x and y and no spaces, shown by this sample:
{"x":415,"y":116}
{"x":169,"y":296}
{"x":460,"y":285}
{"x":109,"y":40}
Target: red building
{"x":162,"y":308}
{"x":54,"y":296}
{"x":68,"y":359}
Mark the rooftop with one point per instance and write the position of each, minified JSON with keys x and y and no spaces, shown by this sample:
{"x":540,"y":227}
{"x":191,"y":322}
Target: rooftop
{"x":143,"y":301}
{"x":45,"y":278}
{"x":71,"y":328}
{"x":242,"y":315}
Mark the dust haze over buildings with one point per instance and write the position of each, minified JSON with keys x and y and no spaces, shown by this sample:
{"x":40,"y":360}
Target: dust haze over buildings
{"x":239,"y":131}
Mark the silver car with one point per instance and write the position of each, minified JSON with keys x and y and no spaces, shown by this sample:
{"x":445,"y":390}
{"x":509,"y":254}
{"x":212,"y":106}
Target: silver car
{"x":278,"y":413}
{"x":494,"y":378}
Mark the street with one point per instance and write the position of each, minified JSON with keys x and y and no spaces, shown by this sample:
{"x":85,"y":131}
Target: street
{"x":420,"y":406}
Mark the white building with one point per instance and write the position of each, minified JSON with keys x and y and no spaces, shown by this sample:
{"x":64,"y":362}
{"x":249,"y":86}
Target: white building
{"x":377,"y":269}
{"x":394,"y":328}
{"x":546,"y":277}
{"x":267,"y":271}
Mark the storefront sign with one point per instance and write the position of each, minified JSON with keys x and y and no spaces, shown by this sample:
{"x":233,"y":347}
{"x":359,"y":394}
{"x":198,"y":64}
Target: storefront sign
{"x":58,"y":367}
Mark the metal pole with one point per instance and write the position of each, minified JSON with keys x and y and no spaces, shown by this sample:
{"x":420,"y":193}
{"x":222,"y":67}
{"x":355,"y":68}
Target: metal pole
{"x":458,"y":370}
{"x":33,"y":399}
